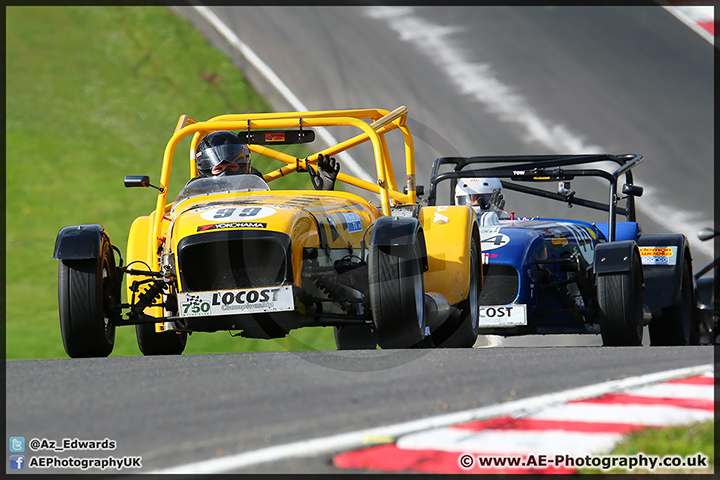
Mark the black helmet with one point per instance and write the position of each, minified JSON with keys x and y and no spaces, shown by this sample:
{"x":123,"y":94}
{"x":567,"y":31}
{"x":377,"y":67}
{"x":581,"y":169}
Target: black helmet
{"x":221,"y":153}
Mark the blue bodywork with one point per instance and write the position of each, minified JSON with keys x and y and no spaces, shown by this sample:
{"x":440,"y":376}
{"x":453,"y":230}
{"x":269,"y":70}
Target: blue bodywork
{"x":541,"y":275}
{"x":545,"y":254}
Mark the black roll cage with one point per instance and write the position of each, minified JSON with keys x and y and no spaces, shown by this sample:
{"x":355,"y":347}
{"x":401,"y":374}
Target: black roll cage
{"x":536,"y":168}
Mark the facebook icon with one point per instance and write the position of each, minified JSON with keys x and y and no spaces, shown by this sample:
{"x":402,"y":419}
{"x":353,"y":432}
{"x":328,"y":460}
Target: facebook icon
{"x":17,"y":462}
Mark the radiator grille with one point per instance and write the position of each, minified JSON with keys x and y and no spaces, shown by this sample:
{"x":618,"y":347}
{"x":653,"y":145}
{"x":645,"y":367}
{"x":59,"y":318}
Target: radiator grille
{"x":233,"y":264}
{"x":500,"y":285}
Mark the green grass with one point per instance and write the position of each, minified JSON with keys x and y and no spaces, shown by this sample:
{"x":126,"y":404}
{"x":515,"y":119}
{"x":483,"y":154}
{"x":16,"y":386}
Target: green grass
{"x":93,"y":94}
{"x":683,"y":441}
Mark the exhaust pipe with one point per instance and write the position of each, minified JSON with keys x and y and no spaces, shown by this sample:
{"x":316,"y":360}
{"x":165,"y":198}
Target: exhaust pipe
{"x":437,"y":309}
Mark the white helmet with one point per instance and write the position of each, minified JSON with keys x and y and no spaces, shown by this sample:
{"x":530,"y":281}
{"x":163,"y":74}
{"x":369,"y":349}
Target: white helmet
{"x":476,"y":191}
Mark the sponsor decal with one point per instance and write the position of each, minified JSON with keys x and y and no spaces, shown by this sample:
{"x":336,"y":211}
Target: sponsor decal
{"x":217,"y":226}
{"x":237,"y":214}
{"x":658,"y":255}
{"x":487,"y":256}
{"x":411,"y":182}
{"x":559,"y":242}
{"x":439,"y":218}
{"x":275,"y":137}
{"x":353,"y":221}
{"x":232,"y":302}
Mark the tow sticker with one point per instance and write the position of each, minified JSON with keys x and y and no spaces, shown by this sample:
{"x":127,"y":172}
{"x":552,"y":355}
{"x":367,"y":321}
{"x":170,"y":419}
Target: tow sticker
{"x":237,"y":214}
{"x":233,"y":302}
{"x":658,"y":255}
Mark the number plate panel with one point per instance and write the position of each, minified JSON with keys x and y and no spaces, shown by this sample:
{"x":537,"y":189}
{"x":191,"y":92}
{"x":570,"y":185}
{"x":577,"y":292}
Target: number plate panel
{"x":236,"y":302}
{"x":512,"y":315}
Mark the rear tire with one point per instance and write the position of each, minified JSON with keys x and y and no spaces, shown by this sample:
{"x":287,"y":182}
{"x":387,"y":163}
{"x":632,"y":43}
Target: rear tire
{"x":462,"y":331}
{"x":620,"y":306}
{"x":397,"y":295}
{"x":166,"y":343}
{"x":86,"y":290}
{"x":355,"y":337}
{"x":677,"y":325}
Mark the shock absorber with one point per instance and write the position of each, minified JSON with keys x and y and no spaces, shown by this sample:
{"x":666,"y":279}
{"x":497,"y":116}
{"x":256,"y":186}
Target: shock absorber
{"x":148,"y":296}
{"x":561,"y":293}
{"x":334,"y":291}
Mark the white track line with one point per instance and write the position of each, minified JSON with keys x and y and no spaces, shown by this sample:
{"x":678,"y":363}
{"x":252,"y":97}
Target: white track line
{"x":350,"y":440}
{"x":481,"y":82}
{"x":690,"y":15}
{"x":276,"y":82}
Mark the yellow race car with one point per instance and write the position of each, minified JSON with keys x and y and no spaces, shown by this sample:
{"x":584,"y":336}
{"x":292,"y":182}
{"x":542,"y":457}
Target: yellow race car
{"x":231,"y":254}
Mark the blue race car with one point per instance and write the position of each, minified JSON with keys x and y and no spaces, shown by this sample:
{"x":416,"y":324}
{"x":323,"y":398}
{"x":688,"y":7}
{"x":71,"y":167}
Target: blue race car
{"x":550,"y":275}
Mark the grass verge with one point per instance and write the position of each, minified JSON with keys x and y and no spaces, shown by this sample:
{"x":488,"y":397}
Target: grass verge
{"x":683,"y":441}
{"x":93,"y":94}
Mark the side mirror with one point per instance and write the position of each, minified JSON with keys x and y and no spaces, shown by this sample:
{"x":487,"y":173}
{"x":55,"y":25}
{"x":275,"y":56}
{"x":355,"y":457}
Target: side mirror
{"x":137,"y":181}
{"x":706,"y":234}
{"x":632,"y":190}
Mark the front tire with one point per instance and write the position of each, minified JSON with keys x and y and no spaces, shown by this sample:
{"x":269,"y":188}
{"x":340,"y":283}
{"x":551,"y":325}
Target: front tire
{"x":87,"y":289}
{"x":355,"y":337}
{"x":165,"y":343}
{"x":397,"y":295}
{"x":620,"y":305}
{"x":462,"y":331}
{"x":677,"y":325}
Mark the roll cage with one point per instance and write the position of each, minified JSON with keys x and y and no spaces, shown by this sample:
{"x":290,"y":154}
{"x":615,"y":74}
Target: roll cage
{"x":374,"y":124}
{"x":538,"y":168}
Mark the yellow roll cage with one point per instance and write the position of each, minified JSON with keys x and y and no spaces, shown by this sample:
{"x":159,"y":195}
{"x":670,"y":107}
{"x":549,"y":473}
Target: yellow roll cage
{"x":381,"y":122}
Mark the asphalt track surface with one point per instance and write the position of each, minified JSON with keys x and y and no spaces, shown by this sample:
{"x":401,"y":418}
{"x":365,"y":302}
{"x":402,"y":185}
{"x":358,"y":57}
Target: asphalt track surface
{"x":510,"y":81}
{"x":625,"y":79}
{"x":177,"y":410}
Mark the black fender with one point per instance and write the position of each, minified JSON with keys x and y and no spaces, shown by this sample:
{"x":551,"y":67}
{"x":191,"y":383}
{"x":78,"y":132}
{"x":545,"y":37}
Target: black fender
{"x":662,"y":281}
{"x":390,"y":231}
{"x":613,"y":257}
{"x":79,"y":242}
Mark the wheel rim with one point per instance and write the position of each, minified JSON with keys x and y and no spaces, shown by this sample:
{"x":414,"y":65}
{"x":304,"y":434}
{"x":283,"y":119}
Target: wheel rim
{"x":687,"y":308}
{"x":106,"y":283}
{"x":419,"y":289}
{"x":473,"y":291}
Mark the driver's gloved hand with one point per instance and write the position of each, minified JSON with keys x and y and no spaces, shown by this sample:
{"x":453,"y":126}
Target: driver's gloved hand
{"x":326,"y":174}
{"x":496,"y":201}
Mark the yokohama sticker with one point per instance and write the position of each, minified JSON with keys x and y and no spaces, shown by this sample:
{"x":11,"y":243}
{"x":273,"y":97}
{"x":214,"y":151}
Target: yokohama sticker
{"x":236,"y":302}
{"x":215,"y":226}
{"x":658,"y":255}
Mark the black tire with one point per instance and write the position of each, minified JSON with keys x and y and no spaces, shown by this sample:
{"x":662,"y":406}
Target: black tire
{"x":355,"y":337}
{"x":620,"y":306}
{"x":462,"y":331}
{"x":165,"y":343}
{"x":677,"y":325}
{"x":397,"y":295}
{"x":86,"y":289}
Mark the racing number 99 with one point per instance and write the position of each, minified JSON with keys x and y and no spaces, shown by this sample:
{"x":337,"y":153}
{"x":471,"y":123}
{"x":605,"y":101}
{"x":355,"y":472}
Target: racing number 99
{"x":245,"y":212}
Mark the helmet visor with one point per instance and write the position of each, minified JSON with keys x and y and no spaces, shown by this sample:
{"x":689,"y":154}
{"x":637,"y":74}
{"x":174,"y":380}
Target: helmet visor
{"x":475,"y":200}
{"x":232,"y":157}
